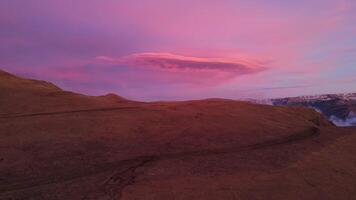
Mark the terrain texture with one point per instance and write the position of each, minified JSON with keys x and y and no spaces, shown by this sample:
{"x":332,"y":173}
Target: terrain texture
{"x":61,"y":145}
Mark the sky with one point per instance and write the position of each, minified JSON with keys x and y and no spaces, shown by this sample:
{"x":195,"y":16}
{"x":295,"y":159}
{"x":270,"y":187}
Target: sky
{"x":183,"y":49}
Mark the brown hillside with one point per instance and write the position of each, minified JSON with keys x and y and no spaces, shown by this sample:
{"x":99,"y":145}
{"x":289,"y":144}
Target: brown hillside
{"x":61,"y":145}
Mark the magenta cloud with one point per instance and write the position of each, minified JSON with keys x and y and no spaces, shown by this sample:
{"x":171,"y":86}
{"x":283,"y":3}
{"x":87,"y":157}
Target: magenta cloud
{"x":188,"y":64}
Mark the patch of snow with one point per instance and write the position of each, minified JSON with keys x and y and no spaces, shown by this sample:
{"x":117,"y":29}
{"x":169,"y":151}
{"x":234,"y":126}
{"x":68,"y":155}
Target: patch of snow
{"x":316,"y":109}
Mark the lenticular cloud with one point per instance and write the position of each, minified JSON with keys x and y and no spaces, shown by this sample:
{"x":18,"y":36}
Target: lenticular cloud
{"x":177,"y":63}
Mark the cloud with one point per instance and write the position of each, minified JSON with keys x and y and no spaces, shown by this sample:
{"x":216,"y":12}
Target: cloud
{"x":302,"y":36}
{"x":284,"y":87}
{"x":350,"y":120}
{"x":186,"y":64}
{"x":346,"y":50}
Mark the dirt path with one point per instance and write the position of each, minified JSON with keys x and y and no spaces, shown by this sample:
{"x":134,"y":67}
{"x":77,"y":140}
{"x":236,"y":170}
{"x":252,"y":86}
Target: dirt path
{"x":10,"y":116}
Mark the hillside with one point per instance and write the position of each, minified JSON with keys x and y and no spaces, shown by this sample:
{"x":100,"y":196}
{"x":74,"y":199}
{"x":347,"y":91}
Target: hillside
{"x":61,"y":145}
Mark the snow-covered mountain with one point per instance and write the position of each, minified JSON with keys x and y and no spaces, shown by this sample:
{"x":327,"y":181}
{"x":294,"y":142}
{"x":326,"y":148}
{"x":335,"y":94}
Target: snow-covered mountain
{"x":338,"y":108}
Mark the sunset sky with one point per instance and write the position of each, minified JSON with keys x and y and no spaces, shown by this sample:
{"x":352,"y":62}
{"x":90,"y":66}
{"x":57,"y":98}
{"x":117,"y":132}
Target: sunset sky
{"x":183,"y":49}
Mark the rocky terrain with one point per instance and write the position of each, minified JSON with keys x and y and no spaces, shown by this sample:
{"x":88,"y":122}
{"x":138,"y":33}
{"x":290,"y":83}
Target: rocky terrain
{"x":61,"y":145}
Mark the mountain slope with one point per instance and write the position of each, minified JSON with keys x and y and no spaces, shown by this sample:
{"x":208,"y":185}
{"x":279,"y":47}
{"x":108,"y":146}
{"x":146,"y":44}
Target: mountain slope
{"x":339,"y":108}
{"x":61,"y":145}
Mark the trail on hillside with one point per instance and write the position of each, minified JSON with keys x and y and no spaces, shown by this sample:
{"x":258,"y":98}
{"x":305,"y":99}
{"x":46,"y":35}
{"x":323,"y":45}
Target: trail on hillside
{"x":6,"y":116}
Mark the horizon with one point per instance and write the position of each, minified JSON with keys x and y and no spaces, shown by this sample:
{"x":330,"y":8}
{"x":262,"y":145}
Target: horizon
{"x":156,"y":50}
{"x":178,"y":100}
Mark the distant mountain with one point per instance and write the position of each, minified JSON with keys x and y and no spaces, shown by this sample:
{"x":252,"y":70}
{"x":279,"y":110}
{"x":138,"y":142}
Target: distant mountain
{"x":339,"y":108}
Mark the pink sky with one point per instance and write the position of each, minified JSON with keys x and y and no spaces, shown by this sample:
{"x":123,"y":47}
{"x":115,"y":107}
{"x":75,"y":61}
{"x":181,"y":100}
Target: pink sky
{"x":180,"y":49}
